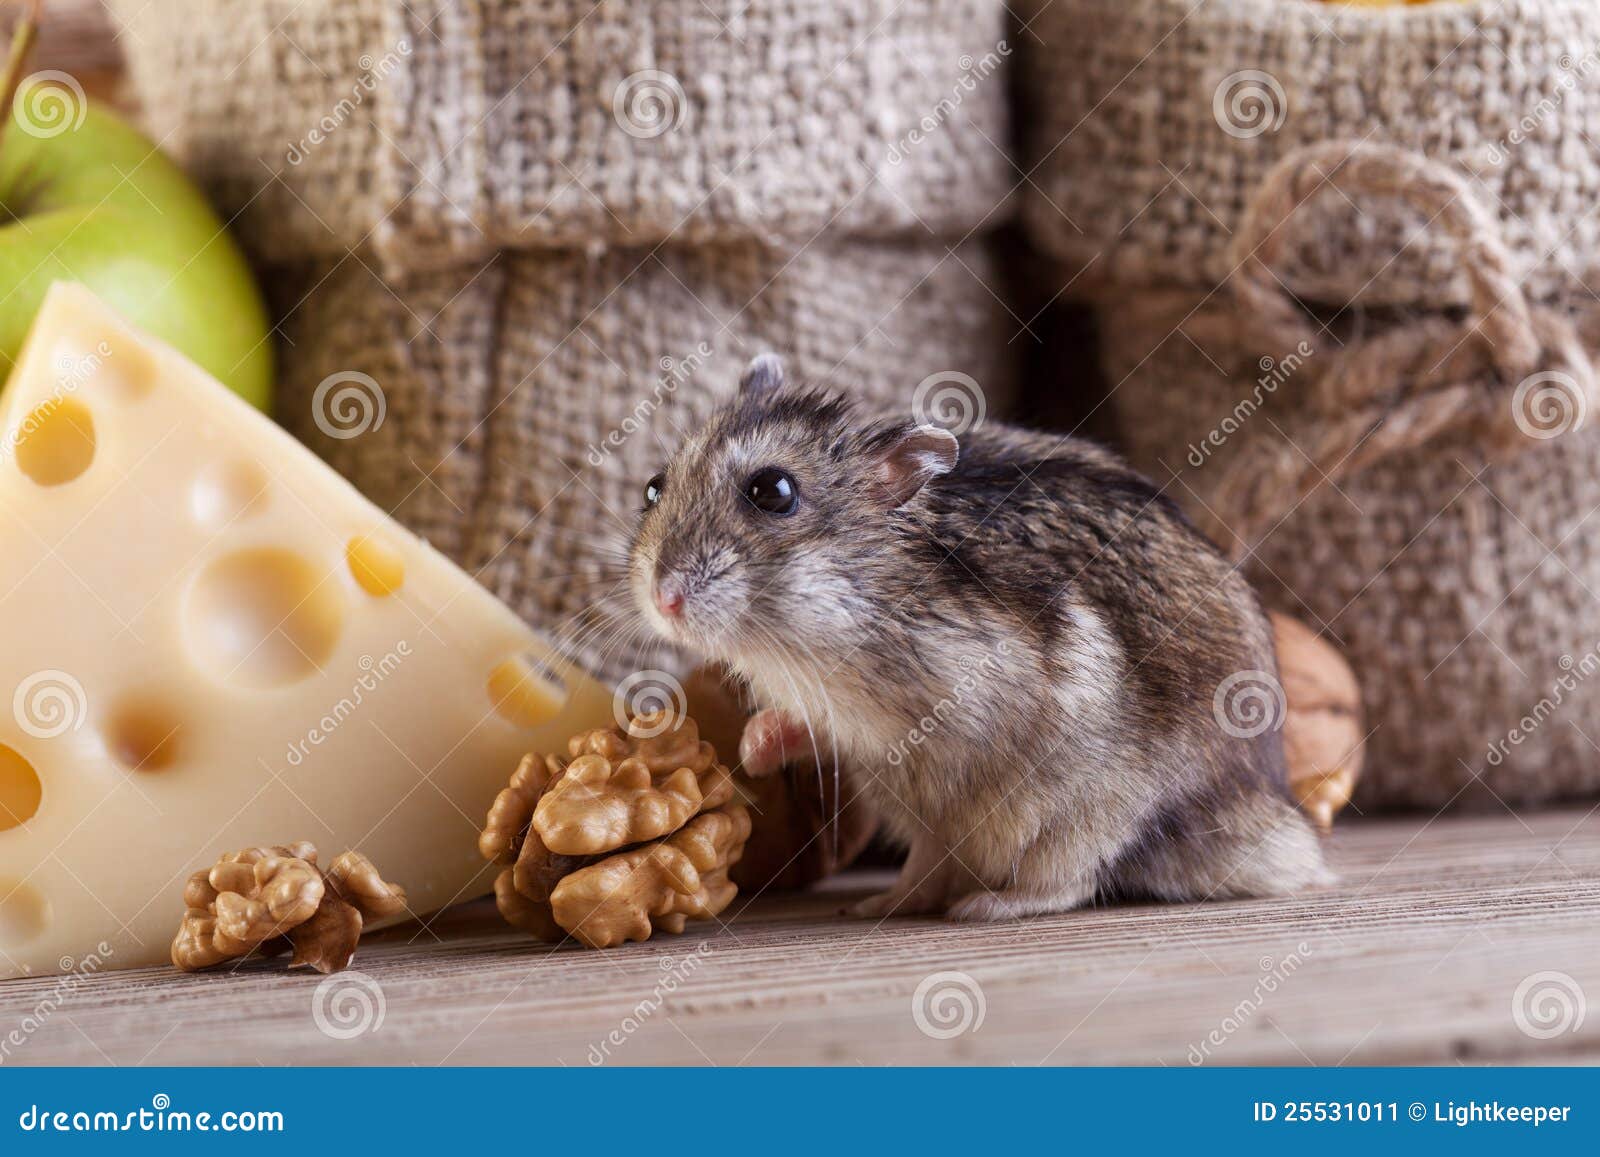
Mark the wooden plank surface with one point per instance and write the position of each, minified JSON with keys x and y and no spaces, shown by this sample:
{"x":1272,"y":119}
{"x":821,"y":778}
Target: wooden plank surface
{"x":1415,"y":956}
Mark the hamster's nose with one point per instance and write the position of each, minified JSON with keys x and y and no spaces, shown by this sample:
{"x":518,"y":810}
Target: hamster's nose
{"x":669,"y":597}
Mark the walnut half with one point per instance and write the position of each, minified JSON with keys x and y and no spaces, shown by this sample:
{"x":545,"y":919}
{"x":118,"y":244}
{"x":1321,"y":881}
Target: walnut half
{"x":522,"y":891}
{"x":662,"y":885}
{"x":248,"y":898}
{"x":635,"y":831}
{"x":261,"y":898}
{"x":627,"y":789}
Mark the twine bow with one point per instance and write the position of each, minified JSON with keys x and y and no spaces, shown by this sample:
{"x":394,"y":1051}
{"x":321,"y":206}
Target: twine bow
{"x":1507,"y":377}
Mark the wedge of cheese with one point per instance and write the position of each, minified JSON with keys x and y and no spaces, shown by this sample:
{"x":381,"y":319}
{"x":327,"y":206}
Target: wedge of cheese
{"x":209,"y":640}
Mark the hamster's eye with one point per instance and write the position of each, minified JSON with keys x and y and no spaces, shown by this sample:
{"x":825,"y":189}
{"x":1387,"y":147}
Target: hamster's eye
{"x":652,"y":489}
{"x":773,"y":491}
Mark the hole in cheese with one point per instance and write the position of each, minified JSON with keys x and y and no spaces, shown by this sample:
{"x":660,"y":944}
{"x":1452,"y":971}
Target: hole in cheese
{"x":55,"y":442}
{"x":19,"y":789}
{"x":143,"y":735}
{"x":262,"y":618}
{"x":226,"y":492}
{"x":100,"y":360}
{"x":23,"y":912}
{"x":525,"y":692}
{"x":377,"y":566}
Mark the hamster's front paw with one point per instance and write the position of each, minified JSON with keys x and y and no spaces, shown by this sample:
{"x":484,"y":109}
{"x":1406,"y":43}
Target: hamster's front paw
{"x":771,"y":741}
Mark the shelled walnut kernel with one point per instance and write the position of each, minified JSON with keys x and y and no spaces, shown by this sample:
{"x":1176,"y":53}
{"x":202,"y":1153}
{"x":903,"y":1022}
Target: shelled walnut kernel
{"x":275,"y":897}
{"x":634,"y":831}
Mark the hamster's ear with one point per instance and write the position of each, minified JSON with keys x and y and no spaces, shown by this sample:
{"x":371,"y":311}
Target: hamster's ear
{"x":912,"y":459}
{"x":763,"y":375}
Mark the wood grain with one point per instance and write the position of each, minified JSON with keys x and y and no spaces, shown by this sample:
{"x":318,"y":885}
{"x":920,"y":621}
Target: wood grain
{"x":1413,"y":957}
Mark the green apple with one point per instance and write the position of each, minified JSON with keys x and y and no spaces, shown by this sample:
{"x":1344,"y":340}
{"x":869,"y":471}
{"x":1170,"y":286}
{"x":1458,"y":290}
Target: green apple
{"x":84,"y":197}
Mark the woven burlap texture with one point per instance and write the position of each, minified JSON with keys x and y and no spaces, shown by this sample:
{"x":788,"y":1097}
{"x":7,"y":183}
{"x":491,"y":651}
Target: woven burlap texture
{"x":434,"y":132}
{"x":1416,"y":486}
{"x":526,"y":402}
{"x":1151,"y":123}
{"x":542,"y":238}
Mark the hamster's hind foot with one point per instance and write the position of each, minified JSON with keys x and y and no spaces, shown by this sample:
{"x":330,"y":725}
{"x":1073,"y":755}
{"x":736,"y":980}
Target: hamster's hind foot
{"x":929,"y":879}
{"x":894,"y":903}
{"x":1014,"y":903}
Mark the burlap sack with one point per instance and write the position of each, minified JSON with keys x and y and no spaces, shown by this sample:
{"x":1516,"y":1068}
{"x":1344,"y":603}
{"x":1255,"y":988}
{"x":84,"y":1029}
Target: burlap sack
{"x":512,"y":413}
{"x":1151,"y":122}
{"x":437,"y":132}
{"x":1420,"y":487}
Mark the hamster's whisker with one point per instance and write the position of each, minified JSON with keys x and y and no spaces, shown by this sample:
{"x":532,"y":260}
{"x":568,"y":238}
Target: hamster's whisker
{"x":811,"y":669}
{"x":803,"y":702}
{"x":562,"y":631}
{"x":594,"y":636}
{"x":576,"y":580}
{"x":576,"y":630}
{"x":607,"y":546}
{"x":623,"y":631}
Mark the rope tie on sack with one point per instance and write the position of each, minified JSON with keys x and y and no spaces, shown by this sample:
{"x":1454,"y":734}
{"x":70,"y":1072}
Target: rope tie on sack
{"x":1506,"y":378}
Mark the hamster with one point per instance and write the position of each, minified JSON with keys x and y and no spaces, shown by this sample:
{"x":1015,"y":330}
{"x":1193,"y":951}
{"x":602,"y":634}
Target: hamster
{"x":1021,"y":650}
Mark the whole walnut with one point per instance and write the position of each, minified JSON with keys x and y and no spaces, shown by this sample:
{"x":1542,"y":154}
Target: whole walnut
{"x":1323,"y":738}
